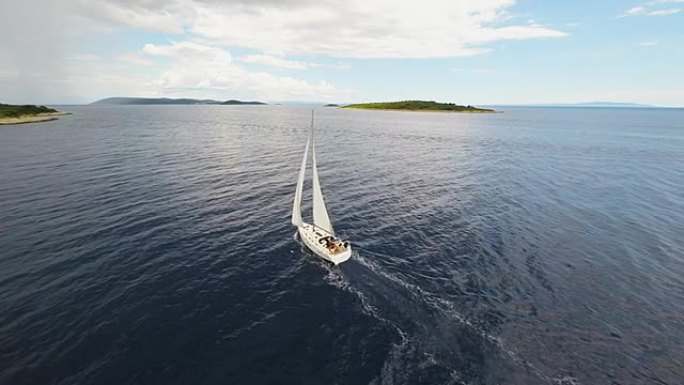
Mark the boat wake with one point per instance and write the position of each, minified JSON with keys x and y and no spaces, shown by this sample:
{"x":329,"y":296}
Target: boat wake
{"x":435,"y":343}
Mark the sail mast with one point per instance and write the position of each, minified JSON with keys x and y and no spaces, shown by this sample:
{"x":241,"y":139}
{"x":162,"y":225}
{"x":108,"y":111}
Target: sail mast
{"x":320,"y":213}
{"x":296,"y":209}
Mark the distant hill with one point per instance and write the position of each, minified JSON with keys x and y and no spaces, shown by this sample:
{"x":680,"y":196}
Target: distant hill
{"x":166,"y":101}
{"x":417,"y":105}
{"x":611,"y":104}
{"x":591,"y":104}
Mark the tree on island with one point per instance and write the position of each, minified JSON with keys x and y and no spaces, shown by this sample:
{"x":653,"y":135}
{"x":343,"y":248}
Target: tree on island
{"x":418,"y":105}
{"x":10,"y":111}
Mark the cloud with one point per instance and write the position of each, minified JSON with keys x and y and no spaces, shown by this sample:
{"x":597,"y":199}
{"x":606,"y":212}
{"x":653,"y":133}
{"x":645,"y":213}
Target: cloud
{"x":275,"y":61}
{"x":639,"y":10}
{"x":35,"y":46}
{"x":665,"y":12}
{"x":336,"y":66}
{"x":351,"y":29}
{"x":197,"y":59}
{"x":131,"y":14}
{"x":648,"y":43}
{"x":134,"y":58}
{"x":203,"y":68}
{"x":280,"y":61}
{"x":653,"y":8}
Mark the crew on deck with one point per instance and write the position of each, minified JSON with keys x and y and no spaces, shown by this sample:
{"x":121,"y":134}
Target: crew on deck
{"x":333,"y":245}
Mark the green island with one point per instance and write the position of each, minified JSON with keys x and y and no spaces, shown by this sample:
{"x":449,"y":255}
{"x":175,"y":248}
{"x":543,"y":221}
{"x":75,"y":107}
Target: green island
{"x":417,"y":105}
{"x":10,"y":114}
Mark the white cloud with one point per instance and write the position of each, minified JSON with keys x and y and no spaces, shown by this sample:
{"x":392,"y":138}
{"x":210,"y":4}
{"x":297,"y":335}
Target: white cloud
{"x":639,"y":10}
{"x":653,"y":8}
{"x":280,"y":61}
{"x":189,"y":48}
{"x":204,"y":68}
{"x":648,"y":43}
{"x":336,"y":66}
{"x":353,"y":29}
{"x":275,"y":61}
{"x":144,"y":16}
{"x":134,"y":58}
{"x":665,"y":12}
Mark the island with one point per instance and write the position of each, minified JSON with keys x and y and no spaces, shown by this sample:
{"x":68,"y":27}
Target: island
{"x":125,"y":101}
{"x":417,"y":105}
{"x":332,"y":105}
{"x":10,"y":114}
{"x":240,"y":102}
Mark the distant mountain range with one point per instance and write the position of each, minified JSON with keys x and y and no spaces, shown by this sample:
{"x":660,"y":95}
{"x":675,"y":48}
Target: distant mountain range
{"x":591,"y":104}
{"x":610,"y":104}
{"x":167,"y":101}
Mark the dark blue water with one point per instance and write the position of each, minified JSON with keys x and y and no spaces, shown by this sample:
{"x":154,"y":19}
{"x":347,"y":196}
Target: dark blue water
{"x":153,"y":245}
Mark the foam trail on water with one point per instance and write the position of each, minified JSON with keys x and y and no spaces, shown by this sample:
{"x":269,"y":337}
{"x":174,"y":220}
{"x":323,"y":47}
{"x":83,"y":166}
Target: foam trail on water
{"x":421,"y":320}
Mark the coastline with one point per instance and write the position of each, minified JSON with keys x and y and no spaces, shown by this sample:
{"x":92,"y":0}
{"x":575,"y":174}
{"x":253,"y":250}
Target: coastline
{"x":33,"y":118}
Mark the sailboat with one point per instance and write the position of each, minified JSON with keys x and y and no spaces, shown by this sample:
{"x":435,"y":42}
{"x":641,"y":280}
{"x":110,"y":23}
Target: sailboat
{"x":318,"y":236}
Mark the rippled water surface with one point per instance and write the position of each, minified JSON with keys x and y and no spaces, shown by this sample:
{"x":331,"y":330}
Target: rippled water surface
{"x":153,"y":245}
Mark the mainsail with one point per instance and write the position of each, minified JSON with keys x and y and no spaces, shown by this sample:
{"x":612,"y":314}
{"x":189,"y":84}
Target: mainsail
{"x":296,"y":210}
{"x":320,"y":214}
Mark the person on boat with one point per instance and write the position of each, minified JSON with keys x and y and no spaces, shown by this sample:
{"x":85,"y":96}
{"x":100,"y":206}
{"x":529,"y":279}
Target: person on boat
{"x":326,"y":241}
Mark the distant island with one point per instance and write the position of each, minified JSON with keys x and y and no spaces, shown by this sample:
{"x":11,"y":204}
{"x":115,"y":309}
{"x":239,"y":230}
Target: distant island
{"x":10,"y":114}
{"x":127,"y":101}
{"x":590,"y":104}
{"x":331,"y":105}
{"x":238,"y":102}
{"x":612,"y":104}
{"x":417,"y":105}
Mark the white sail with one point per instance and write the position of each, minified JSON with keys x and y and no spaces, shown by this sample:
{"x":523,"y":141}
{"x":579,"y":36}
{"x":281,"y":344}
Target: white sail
{"x":320,"y":214}
{"x":296,"y":210}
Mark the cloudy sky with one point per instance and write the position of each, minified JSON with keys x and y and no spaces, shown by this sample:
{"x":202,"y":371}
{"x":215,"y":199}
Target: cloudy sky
{"x":463,"y":51}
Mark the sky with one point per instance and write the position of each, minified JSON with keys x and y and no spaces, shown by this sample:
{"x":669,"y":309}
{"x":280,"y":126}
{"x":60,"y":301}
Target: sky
{"x":479,"y":52}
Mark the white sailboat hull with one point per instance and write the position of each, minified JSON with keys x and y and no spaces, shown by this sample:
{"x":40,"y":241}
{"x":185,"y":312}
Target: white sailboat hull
{"x":312,"y":236}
